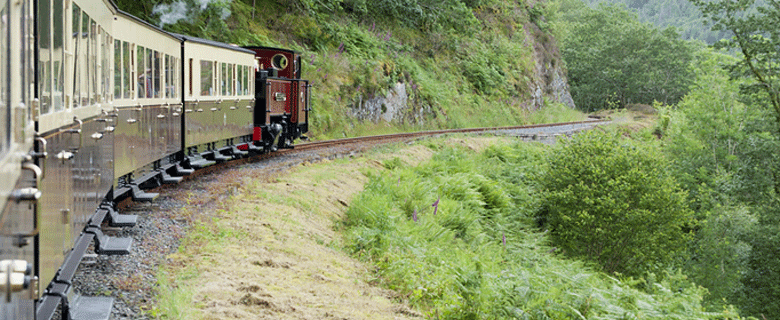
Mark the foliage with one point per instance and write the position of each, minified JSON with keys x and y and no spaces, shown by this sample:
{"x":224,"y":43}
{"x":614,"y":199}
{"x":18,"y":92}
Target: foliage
{"x":477,"y":255}
{"x":756,"y":36}
{"x":719,"y":148}
{"x":723,"y":152}
{"x":611,"y":201}
{"x":456,"y":59}
{"x":614,"y":60}
{"x":680,"y":14}
{"x":420,"y":14}
{"x":761,"y":287}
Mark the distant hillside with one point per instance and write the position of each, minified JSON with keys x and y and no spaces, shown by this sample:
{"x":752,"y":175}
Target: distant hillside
{"x":681,"y":14}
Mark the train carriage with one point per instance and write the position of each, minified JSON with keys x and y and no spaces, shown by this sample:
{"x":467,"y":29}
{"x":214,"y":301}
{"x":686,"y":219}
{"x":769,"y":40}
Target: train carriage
{"x":98,"y":105}
{"x":147,"y":102}
{"x":18,"y":172}
{"x":218,"y":100}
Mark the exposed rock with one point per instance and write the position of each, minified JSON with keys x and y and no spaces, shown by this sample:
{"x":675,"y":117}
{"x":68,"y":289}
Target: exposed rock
{"x":548,"y":82}
{"x":388,"y":108}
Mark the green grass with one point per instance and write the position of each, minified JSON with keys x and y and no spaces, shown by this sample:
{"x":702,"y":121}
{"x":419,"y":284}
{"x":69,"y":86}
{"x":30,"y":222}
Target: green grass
{"x":480,"y":256}
{"x":174,"y":301}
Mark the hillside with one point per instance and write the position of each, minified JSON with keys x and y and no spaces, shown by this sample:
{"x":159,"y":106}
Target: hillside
{"x":397,"y":65}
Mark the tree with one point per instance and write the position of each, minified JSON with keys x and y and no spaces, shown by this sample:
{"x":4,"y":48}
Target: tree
{"x":756,"y":36}
{"x":614,"y":60}
{"x":611,"y":201}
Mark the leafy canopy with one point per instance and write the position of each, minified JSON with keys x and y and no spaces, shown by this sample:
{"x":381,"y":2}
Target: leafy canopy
{"x":611,"y":201}
{"x":756,"y":35}
{"x":614,"y":60}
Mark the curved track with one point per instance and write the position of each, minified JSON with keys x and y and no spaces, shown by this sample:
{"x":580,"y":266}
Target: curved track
{"x":131,"y":278}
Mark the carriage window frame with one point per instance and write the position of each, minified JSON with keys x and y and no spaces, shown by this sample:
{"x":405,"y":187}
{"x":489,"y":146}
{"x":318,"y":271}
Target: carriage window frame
{"x":240,"y":83}
{"x":5,"y":96}
{"x":140,"y":67}
{"x":127,"y":70}
{"x":105,"y":65}
{"x":154,"y":61}
{"x":92,"y":55}
{"x":232,"y":78}
{"x":118,"y":76}
{"x":207,"y":77}
{"x":45,"y":53}
{"x":223,"y":86}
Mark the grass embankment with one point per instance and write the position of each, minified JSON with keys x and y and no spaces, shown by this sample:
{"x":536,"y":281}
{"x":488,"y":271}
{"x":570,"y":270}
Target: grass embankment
{"x":444,"y":224}
{"x":455,"y":237}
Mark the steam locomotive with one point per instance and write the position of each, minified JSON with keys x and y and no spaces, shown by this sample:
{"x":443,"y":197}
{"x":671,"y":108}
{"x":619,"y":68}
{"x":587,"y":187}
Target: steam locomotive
{"x":98,"y":106}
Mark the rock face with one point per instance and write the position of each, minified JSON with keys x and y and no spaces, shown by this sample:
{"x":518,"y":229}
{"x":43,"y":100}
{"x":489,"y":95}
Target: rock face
{"x":384,"y":108}
{"x":548,"y":84}
{"x":549,"y":80}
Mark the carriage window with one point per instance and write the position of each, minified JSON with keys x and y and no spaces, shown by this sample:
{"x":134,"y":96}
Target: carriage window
{"x":155,"y":74}
{"x":76,"y":56}
{"x":4,"y":85}
{"x":92,"y":85}
{"x":141,"y":71}
{"x":84,"y":61}
{"x":190,"y":77}
{"x":117,"y":68}
{"x":206,"y":78}
{"x":171,"y":77}
{"x":231,"y":69}
{"x":127,"y":57}
{"x":166,"y":76}
{"x":251,"y":81}
{"x":240,"y":80}
{"x":58,"y":56}
{"x":106,"y":65}
{"x":248,"y":85}
{"x":223,"y":79}
{"x":29,"y":61}
{"x":44,"y":53}
{"x":176,"y":80}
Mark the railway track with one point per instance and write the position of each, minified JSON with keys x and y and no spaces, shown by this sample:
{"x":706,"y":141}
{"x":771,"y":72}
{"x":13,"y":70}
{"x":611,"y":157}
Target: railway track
{"x":527,"y":132}
{"x":130,"y":278}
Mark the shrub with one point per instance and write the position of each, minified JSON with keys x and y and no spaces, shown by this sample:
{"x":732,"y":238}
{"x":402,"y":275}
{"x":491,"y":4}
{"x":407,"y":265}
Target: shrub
{"x":612,"y":202}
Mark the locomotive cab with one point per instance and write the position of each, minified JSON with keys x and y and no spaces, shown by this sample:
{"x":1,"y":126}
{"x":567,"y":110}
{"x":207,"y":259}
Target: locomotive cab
{"x":281,"y":110}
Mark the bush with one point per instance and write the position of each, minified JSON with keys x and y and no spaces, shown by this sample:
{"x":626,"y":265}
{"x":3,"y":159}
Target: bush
{"x":612,"y":202}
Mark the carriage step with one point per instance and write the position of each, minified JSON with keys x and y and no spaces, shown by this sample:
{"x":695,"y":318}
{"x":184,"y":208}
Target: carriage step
{"x":110,"y":245}
{"x":183,"y":172}
{"x":91,"y":308}
{"x":167,"y":178}
{"x":202,"y":163}
{"x":219,"y":157}
{"x":237,"y":152}
{"x":139,"y":195}
{"x":252,"y":147}
{"x":119,"y":220}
